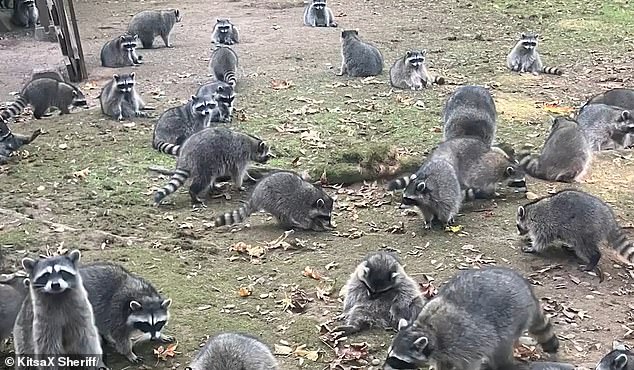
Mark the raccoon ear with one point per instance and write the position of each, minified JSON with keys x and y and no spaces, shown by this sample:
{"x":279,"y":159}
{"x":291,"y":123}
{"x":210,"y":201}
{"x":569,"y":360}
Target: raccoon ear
{"x":395,"y":275}
{"x":620,"y":361}
{"x":262,"y":146}
{"x":626,"y":115}
{"x":177,"y":13}
{"x":402,"y":323}
{"x":510,"y":171}
{"x":122,"y":37}
{"x":616,"y":345}
{"x":521,"y":211}
{"x":408,"y":54}
{"x":421,"y":343}
{"x":320,"y":203}
{"x":194,"y":98}
{"x":537,"y":35}
{"x":421,"y":186}
{"x":424,"y":52}
{"x":132,"y":75}
{"x":523,"y":35}
{"x":26,"y":282}
{"x":135,"y":306}
{"x":166,"y":303}
{"x":413,"y":177}
{"x":28,"y":264}
{"x":74,"y":255}
{"x":116,"y":77}
{"x":364,"y":270}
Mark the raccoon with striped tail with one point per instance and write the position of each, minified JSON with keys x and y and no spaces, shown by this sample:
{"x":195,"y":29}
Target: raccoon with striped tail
{"x":10,"y":142}
{"x":525,"y":58}
{"x":470,"y":111}
{"x":227,"y":351}
{"x":318,"y":14}
{"x":176,"y":124}
{"x":120,"y":52}
{"x":359,"y":58}
{"x":151,"y":23}
{"x":209,"y":154}
{"x":42,"y":94}
{"x":223,"y":64}
{"x":296,"y":203}
{"x":478,"y":315}
{"x":119,"y":98}
{"x":410,"y":72}
{"x":225,"y":32}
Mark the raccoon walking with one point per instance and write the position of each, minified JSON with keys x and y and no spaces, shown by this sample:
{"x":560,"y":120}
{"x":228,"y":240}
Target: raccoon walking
{"x":295,"y":202}
{"x":56,"y":291}
{"x":620,"y":358}
{"x":225,"y":32}
{"x":209,"y":154}
{"x":525,"y":58}
{"x":223,"y":94}
{"x":579,"y":220}
{"x":224,"y":64}
{"x":151,"y":23}
{"x":234,"y":351}
{"x":359,"y":59}
{"x":478,"y":314}
{"x":620,"y":97}
{"x":128,"y":309}
{"x":607,"y":127}
{"x":318,"y":14}
{"x":25,"y":14}
{"x":379,"y":294}
{"x":13,"y":290}
{"x":119,"y":98}
{"x":10,"y":142}
{"x":410,"y":72}
{"x":470,"y":111}
{"x":120,"y":52}
{"x":42,"y":94}
{"x":565,"y":157}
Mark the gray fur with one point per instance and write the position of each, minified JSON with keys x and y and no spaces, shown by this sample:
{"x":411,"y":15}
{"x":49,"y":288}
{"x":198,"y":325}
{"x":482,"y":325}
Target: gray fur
{"x":56,"y":318}
{"x":10,"y":142}
{"x":358,"y":58}
{"x":606,"y":126}
{"x":620,"y":97}
{"x":410,"y":72}
{"x":13,"y":290}
{"x":379,"y":293}
{"x":525,"y":58}
{"x":25,"y":14}
{"x":223,"y":64}
{"x":225,"y":32}
{"x":620,"y":358}
{"x":318,"y":14}
{"x":58,"y":74}
{"x":581,"y":221}
{"x":478,"y":315}
{"x":234,"y":351}
{"x":212,"y":153}
{"x":120,"y":52}
{"x":565,"y":157}
{"x":296,"y":203}
{"x":151,"y":23}
{"x":470,"y":111}
{"x":223,"y":94}
{"x":119,"y":98}
{"x":537,"y":365}
{"x":6,"y":4}
{"x":128,"y":309}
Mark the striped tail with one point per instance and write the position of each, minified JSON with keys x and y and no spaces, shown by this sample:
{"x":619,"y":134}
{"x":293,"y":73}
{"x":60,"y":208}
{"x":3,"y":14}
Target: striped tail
{"x":552,"y":71}
{"x":400,"y":183}
{"x":230,"y":78}
{"x":469,"y":194}
{"x":542,"y":330}
{"x":439,"y":80}
{"x":234,"y":217}
{"x":167,"y":148}
{"x":624,"y":247}
{"x":530,"y":164}
{"x":14,"y":109}
{"x":178,"y":179}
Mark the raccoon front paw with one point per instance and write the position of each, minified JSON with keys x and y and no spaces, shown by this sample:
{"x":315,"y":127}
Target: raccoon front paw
{"x":427,"y":225}
{"x":346,"y":329}
{"x":135,"y":359}
{"x":528,"y":249}
{"x":199,"y":205}
{"x":167,"y":338}
{"x":141,"y":114}
{"x":333,"y":24}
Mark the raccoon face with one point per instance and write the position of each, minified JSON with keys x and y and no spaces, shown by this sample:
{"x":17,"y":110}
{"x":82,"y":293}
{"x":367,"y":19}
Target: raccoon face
{"x":410,"y":348}
{"x":125,"y":82}
{"x":626,"y":122}
{"x":618,"y":359}
{"x":128,"y":42}
{"x":349,"y":33}
{"x":415,"y":58}
{"x":379,"y":273}
{"x":521,"y":221}
{"x":416,"y":194}
{"x":29,"y":3}
{"x":321,"y":213}
{"x":177,"y":15}
{"x":149,"y":315}
{"x":223,"y":25}
{"x":263,"y":153}
{"x":319,"y":5}
{"x":53,"y":275}
{"x":203,"y":107}
{"x":515,"y":175}
{"x":79,"y":100}
{"x":529,"y":41}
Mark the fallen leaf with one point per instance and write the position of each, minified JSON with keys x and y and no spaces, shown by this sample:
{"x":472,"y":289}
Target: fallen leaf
{"x":557,"y":109}
{"x":245,"y":292}
{"x":162,"y":353}
{"x":309,"y":272}
{"x":531,"y":196}
{"x":282,"y":350}
{"x":454,"y":229}
{"x":82,"y":174}
{"x":281,"y":84}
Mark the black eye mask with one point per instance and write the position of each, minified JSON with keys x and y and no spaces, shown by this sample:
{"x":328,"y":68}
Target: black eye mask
{"x":395,"y":363}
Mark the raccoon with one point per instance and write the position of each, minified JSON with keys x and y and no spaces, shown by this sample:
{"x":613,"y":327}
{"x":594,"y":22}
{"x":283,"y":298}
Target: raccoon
{"x":318,"y":14}
{"x":209,"y":154}
{"x":224,"y":64}
{"x":10,"y":142}
{"x":409,"y":72}
{"x":25,"y":14}
{"x":151,"y":23}
{"x":478,"y":315}
{"x":176,"y":124}
{"x":607,"y":127}
{"x":359,"y":59}
{"x":234,"y":351}
{"x":42,"y":94}
{"x":622,"y":98}
{"x":13,"y":290}
{"x":128,"y":309}
{"x":470,"y":111}
{"x":579,"y":220}
{"x":54,"y":74}
{"x":620,"y":358}
{"x":296,"y":203}
{"x":119,"y":98}
{"x":525,"y":58}
{"x":225,"y":32}
{"x":223,"y":94}
{"x":120,"y":52}
{"x":379,"y":293}
{"x":565,"y":157}
{"x":56,"y":291}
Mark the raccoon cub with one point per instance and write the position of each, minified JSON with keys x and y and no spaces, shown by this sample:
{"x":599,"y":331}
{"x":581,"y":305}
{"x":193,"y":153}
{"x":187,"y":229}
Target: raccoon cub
{"x":224,"y":64}
{"x":120,"y":52}
{"x":565,"y":157}
{"x":410,"y":72}
{"x":10,"y":142}
{"x":620,"y":358}
{"x":56,"y":291}
{"x":296,"y":203}
{"x":470,"y":111}
{"x":525,"y":58}
{"x":379,"y":293}
{"x":359,"y":59}
{"x":13,"y":290}
{"x":128,"y":309}
{"x":579,"y":220}
{"x":318,"y":14}
{"x":478,"y":314}
{"x":234,"y":351}
{"x":25,"y":13}
{"x":119,"y":98}
{"x":176,"y":124}
{"x":42,"y":94}
{"x":622,"y":98}
{"x":606,"y":126}
{"x":223,"y":94}
{"x":225,"y":32}
{"x":151,"y":23}
{"x":209,"y":154}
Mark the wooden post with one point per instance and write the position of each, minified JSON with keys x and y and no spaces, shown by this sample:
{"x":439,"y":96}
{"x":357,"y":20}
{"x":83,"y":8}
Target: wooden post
{"x":80,"y":50}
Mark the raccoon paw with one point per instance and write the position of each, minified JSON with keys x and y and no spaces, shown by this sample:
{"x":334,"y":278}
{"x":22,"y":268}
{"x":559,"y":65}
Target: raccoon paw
{"x":346,"y":329}
{"x":528,"y":249}
{"x":135,"y":359}
{"x":167,"y":338}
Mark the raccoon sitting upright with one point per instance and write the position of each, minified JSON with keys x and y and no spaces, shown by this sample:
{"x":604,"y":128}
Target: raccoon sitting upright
{"x":25,"y":13}
{"x":296,"y":203}
{"x":525,"y":58}
{"x":379,"y":294}
{"x":13,"y":290}
{"x":470,"y":111}
{"x":620,"y":358}
{"x":620,"y":97}
{"x":223,"y":94}
{"x":478,"y":315}
{"x":581,"y":221}
{"x":119,"y":98}
{"x":224,"y":64}
{"x":234,"y":351}
{"x":318,"y":14}
{"x":10,"y":142}
{"x":359,"y":59}
{"x":151,"y":23}
{"x":128,"y":309}
{"x":225,"y":32}
{"x":120,"y":52}
{"x":410,"y":72}
{"x":607,"y":127}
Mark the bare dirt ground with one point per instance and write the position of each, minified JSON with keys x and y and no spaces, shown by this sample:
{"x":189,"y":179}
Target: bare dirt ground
{"x":84,"y":184}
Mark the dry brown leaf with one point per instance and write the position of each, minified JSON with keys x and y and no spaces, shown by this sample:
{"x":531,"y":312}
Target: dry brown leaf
{"x":82,"y":174}
{"x":245,"y":292}
{"x":281,"y":84}
{"x":281,"y":350}
{"x":162,"y":353}
{"x":311,"y":273}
